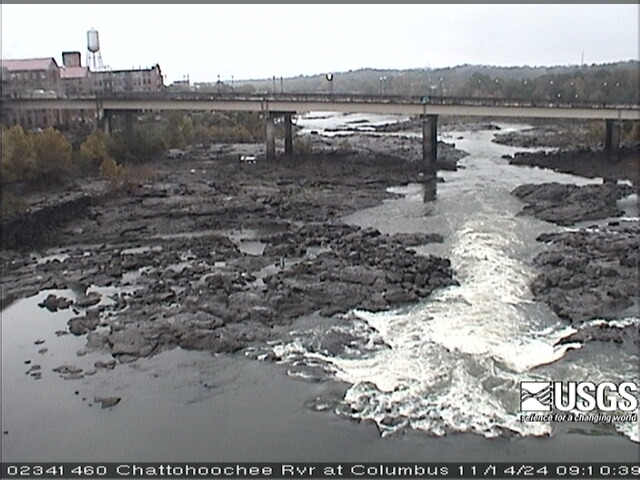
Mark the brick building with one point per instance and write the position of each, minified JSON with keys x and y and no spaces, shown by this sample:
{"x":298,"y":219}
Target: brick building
{"x":32,"y":77}
{"x":121,"y":81}
{"x":76,"y":80}
{"x":42,"y":77}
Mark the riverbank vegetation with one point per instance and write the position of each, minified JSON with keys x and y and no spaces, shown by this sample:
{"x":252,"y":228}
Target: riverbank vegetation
{"x":50,"y":160}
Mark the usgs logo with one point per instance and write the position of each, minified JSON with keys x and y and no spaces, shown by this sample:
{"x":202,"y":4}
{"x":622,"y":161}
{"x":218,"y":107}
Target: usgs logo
{"x":582,"y":396}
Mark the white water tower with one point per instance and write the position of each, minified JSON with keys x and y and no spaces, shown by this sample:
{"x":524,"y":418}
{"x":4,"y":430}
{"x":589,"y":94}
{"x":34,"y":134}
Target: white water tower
{"x":94,"y":58}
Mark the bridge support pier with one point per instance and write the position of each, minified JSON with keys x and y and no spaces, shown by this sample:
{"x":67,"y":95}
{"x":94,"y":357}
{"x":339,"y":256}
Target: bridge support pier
{"x":106,"y":122}
{"x":128,"y":124}
{"x":288,"y":137}
{"x":271,"y":133}
{"x":430,"y":143}
{"x":271,"y":137}
{"x":612,"y":140}
{"x":430,"y":155}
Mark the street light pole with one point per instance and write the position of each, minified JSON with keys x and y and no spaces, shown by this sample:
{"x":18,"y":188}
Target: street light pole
{"x":383,"y":85}
{"x":329,"y":78}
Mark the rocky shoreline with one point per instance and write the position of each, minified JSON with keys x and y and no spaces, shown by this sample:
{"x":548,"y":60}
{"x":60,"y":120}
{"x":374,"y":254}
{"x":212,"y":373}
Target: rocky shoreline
{"x":587,"y":162}
{"x":567,"y":136}
{"x":566,"y":204}
{"x":589,"y":276}
{"x":215,"y":253}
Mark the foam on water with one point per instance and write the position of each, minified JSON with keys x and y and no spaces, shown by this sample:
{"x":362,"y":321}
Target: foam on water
{"x":451,"y":357}
{"x":454,"y":362}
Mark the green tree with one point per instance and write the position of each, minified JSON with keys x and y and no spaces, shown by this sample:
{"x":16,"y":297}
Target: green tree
{"x":53,"y":155}
{"x":110,"y":169}
{"x":93,"y":151}
{"x":179,"y":130}
{"x":18,"y":156}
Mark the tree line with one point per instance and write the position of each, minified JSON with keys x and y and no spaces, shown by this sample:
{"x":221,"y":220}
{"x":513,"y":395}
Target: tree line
{"x":610,"y":83}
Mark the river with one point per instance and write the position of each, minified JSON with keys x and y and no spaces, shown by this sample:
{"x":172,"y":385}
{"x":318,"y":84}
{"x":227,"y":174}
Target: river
{"x":445,"y":386}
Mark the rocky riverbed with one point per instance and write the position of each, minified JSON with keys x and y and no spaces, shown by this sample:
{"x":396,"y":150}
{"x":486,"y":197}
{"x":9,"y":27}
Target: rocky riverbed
{"x":567,"y":204}
{"x":215,"y":253}
{"x":568,"y":135}
{"x":591,"y":162}
{"x":589,"y":274}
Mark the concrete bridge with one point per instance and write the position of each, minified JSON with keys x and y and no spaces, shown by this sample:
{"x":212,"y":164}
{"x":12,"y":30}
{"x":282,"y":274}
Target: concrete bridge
{"x":287,"y":105}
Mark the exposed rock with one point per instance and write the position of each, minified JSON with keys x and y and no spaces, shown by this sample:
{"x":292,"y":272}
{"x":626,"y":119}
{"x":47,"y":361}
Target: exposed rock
{"x":566,"y":204}
{"x":34,"y":227}
{"x":70,"y":372}
{"x":54,"y":303}
{"x":107,"y":402}
{"x":214,"y":340}
{"x":590,"y":274}
{"x":398,"y":295}
{"x":109,"y":365}
{"x":136,"y":341}
{"x":604,"y":332}
{"x":538,"y":137}
{"x":89,"y":300}
{"x":67,"y":369}
{"x":587,"y":162}
{"x":415,"y":239}
{"x":83,"y":325}
{"x":201,"y":291}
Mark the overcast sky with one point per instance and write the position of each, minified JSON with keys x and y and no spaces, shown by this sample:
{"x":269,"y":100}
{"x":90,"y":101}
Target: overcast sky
{"x":259,"y":41}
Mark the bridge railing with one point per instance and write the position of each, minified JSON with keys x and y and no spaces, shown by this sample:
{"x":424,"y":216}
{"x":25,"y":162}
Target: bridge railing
{"x":336,"y":98}
{"x":362,"y":98}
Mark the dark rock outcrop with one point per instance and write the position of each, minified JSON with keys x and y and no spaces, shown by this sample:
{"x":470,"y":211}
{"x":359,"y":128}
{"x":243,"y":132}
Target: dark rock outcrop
{"x":567,"y":204}
{"x":590,"y":274}
{"x":36,"y":227}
